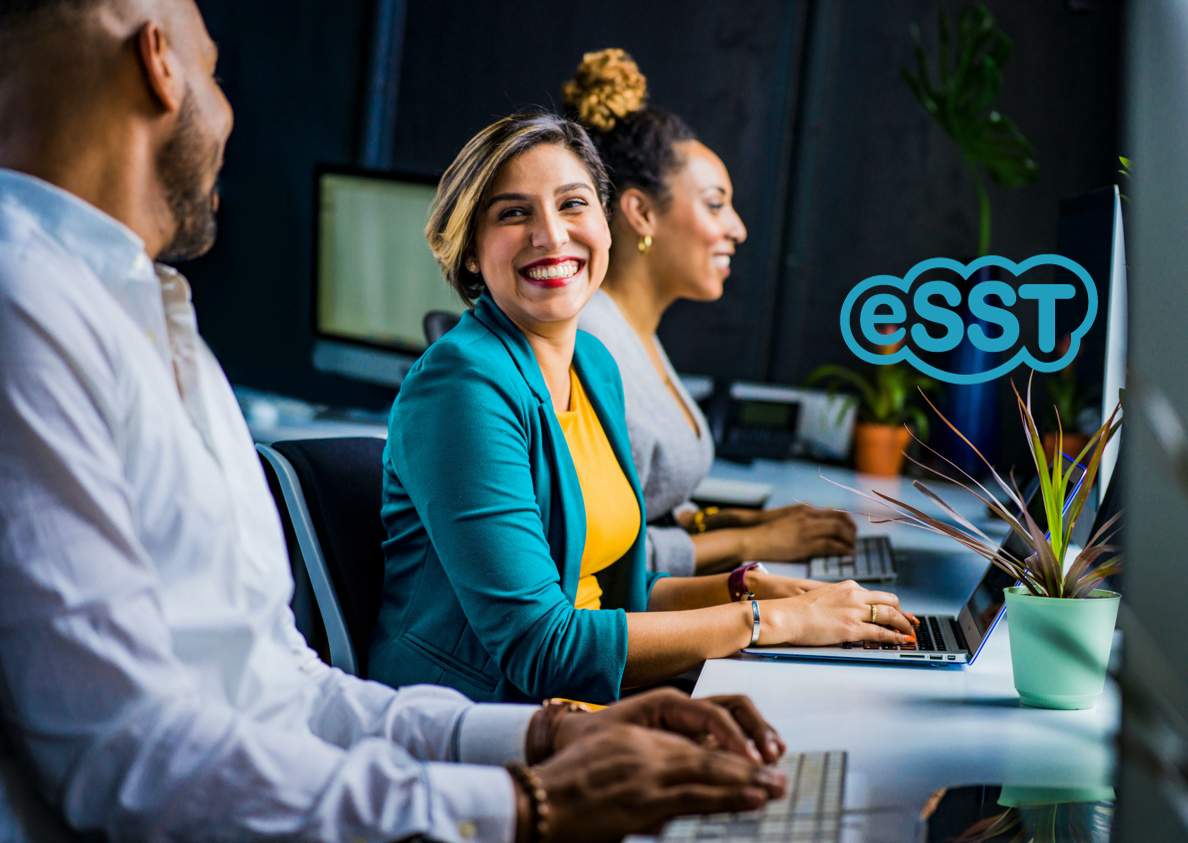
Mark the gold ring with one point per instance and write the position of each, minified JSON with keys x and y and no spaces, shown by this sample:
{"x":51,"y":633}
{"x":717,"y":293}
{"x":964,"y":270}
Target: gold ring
{"x":874,"y":613}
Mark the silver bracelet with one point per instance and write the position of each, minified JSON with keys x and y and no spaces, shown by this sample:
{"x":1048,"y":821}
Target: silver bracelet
{"x":755,"y":629}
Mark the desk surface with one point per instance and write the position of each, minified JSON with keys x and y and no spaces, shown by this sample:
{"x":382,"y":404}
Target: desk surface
{"x":910,"y":731}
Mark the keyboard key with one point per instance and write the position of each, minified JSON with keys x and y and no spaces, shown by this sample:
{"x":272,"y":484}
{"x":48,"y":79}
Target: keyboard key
{"x":870,"y":645}
{"x":890,"y":646}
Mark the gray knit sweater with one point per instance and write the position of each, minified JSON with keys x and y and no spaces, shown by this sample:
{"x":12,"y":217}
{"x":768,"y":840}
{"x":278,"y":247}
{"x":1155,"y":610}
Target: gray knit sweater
{"x":670,"y":458}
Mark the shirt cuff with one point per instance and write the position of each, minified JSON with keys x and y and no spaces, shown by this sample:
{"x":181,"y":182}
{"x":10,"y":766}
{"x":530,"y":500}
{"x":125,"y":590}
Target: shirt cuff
{"x":670,"y":550}
{"x":494,"y":734}
{"x":470,"y":804}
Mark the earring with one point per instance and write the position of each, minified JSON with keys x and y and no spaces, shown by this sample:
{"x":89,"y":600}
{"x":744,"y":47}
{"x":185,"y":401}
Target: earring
{"x":473,"y":267}
{"x":645,"y":243}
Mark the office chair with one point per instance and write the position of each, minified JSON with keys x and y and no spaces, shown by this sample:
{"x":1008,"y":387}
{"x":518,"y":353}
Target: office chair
{"x":331,"y":491}
{"x":436,"y":323}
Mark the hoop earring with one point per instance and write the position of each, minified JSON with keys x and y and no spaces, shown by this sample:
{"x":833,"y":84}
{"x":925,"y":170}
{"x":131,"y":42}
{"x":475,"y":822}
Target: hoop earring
{"x":645,"y":243}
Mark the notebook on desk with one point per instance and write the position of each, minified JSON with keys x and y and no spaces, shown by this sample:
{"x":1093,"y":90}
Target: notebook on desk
{"x":944,"y":640}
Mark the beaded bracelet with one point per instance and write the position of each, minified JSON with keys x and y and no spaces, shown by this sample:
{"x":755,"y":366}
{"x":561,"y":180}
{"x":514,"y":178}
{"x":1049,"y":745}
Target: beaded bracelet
{"x":542,"y":812}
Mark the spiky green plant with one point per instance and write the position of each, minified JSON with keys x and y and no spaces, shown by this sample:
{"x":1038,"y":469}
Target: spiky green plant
{"x":884,"y":397}
{"x":1043,"y":572}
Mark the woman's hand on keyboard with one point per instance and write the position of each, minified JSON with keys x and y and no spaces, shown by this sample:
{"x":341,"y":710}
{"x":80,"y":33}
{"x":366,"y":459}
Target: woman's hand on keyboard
{"x":799,"y":532}
{"x":834,"y":614}
{"x":628,"y":779}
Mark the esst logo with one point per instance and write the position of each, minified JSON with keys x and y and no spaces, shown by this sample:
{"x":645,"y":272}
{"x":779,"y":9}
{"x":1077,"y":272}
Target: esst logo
{"x":927,"y":315}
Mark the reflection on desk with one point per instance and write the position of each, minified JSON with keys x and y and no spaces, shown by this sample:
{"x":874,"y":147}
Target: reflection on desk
{"x":910,"y":733}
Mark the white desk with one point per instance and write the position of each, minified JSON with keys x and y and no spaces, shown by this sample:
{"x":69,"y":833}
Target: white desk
{"x":910,"y":731}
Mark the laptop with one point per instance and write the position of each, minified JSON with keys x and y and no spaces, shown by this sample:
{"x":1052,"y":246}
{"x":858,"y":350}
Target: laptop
{"x":809,"y":812}
{"x":944,"y":640}
{"x":873,"y":561}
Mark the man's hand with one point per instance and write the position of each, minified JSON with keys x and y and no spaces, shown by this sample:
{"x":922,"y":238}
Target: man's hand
{"x":731,"y":723}
{"x":624,"y":778}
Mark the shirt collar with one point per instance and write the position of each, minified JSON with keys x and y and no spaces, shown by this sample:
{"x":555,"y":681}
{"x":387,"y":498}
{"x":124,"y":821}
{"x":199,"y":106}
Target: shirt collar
{"x":108,"y":247}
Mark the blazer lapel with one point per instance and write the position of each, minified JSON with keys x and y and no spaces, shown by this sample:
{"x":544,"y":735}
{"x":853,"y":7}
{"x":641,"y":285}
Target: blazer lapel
{"x":569,"y":489}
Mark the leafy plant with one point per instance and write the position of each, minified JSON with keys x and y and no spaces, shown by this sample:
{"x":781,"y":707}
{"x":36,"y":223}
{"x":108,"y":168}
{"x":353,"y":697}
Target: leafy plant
{"x":883,"y":397}
{"x":969,"y":76}
{"x":1043,"y":572}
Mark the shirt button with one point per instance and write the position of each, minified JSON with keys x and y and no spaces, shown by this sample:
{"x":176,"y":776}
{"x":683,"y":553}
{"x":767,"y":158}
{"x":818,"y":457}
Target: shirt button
{"x":467,"y":829}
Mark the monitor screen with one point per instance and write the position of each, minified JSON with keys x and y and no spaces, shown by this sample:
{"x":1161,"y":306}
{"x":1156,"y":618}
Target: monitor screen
{"x":376,"y":277}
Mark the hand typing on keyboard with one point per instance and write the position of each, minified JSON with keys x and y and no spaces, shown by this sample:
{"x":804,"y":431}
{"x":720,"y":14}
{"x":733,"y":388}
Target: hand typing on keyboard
{"x":835,"y":614}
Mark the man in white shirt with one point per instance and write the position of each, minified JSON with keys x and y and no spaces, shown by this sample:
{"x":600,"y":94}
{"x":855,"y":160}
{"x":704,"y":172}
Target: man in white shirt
{"x":151,"y":676}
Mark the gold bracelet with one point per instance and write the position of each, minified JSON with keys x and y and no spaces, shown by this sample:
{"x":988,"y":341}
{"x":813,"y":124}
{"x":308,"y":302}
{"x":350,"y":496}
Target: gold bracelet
{"x":542,"y":812}
{"x":699,"y":525}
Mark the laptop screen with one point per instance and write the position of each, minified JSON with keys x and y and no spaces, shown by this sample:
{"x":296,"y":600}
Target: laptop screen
{"x":989,"y":595}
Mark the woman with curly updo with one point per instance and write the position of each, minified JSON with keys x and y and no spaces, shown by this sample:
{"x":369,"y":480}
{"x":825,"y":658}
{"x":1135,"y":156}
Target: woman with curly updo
{"x":675,"y":232}
{"x":514,"y":564}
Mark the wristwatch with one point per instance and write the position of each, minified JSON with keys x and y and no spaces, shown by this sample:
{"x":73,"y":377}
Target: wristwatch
{"x":737,"y":583}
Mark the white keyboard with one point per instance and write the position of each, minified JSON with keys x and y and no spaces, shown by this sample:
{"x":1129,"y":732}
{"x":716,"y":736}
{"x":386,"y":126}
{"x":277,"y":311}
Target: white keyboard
{"x":810,"y":812}
{"x":873,"y":561}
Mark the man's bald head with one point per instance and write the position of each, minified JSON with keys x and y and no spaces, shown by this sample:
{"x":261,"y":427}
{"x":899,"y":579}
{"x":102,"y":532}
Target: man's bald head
{"x":116,"y":101}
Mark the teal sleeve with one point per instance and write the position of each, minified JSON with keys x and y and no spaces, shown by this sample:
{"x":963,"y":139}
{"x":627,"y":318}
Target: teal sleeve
{"x":459,"y":443}
{"x":652,"y":579}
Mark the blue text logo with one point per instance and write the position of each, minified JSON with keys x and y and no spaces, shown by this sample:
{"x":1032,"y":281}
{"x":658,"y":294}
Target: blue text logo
{"x":936,"y":324}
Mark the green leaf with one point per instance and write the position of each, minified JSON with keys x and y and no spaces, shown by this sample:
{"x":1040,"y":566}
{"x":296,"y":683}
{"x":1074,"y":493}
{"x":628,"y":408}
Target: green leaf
{"x":969,"y":71}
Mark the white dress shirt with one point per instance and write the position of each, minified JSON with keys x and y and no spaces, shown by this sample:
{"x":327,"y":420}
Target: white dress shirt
{"x":150,"y":670}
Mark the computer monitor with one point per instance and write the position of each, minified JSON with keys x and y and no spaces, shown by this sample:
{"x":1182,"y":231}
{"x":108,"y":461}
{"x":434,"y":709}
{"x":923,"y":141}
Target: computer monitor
{"x":375,"y":277}
{"x":1090,"y":233}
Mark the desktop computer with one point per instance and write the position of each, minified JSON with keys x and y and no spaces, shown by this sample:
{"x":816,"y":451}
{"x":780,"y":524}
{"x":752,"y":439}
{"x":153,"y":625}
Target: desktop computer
{"x":375,"y":277}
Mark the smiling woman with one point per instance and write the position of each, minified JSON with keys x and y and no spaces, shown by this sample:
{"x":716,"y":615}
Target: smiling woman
{"x":675,"y":231}
{"x":510,"y":500}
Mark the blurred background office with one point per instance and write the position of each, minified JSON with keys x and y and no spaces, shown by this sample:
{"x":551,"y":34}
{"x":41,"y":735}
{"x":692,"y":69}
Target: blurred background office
{"x":839,"y":172}
{"x":839,"y":175}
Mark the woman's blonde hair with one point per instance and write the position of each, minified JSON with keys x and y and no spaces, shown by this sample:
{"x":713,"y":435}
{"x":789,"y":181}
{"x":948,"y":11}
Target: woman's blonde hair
{"x":465,"y":186}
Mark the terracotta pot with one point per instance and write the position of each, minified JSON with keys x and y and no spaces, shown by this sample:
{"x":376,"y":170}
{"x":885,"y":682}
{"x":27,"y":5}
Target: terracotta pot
{"x":878,"y":448}
{"x":1073,"y":443}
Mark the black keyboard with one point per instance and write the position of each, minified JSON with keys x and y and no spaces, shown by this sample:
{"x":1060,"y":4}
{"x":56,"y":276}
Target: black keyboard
{"x":929,"y":639}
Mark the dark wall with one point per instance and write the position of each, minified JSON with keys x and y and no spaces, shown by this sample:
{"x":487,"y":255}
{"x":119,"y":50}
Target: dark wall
{"x":890,"y":189}
{"x":865,"y":183}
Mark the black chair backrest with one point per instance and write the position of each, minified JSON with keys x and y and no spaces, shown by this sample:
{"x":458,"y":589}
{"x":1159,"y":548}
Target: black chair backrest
{"x":342,"y":480}
{"x":436,"y":323}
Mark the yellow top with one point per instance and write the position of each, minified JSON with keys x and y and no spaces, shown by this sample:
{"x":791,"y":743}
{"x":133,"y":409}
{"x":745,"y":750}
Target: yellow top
{"x":612,"y":510}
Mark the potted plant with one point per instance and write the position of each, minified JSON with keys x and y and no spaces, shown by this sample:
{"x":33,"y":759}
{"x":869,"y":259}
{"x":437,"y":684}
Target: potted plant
{"x":1061,"y":625}
{"x":884,"y":406}
{"x":958,"y":88}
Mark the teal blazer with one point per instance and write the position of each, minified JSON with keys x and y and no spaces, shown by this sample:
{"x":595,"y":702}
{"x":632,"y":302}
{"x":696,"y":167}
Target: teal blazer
{"x":486,"y":526}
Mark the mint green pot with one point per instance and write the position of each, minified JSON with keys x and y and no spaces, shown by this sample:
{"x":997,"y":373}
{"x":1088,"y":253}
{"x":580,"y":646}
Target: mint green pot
{"x":1060,"y":648}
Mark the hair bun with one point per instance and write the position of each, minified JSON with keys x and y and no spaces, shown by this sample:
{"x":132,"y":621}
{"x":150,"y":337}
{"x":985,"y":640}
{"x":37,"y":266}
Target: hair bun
{"x":607,"y":87}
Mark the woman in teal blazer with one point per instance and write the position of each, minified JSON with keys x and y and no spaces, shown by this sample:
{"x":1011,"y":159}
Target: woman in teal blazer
{"x":473,"y":439}
{"x":482,"y":503}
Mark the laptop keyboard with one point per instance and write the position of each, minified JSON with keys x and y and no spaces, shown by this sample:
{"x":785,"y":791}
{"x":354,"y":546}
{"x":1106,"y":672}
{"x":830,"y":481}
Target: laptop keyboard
{"x":929,"y":639}
{"x":810,"y":812}
{"x":873,"y":559}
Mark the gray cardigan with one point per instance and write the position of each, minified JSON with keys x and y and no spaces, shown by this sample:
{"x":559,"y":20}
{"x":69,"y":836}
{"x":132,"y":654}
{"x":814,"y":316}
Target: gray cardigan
{"x":670,"y":458}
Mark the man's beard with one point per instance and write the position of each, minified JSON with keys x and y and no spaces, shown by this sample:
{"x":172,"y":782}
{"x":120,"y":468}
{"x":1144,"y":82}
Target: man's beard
{"x":183,"y":166}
